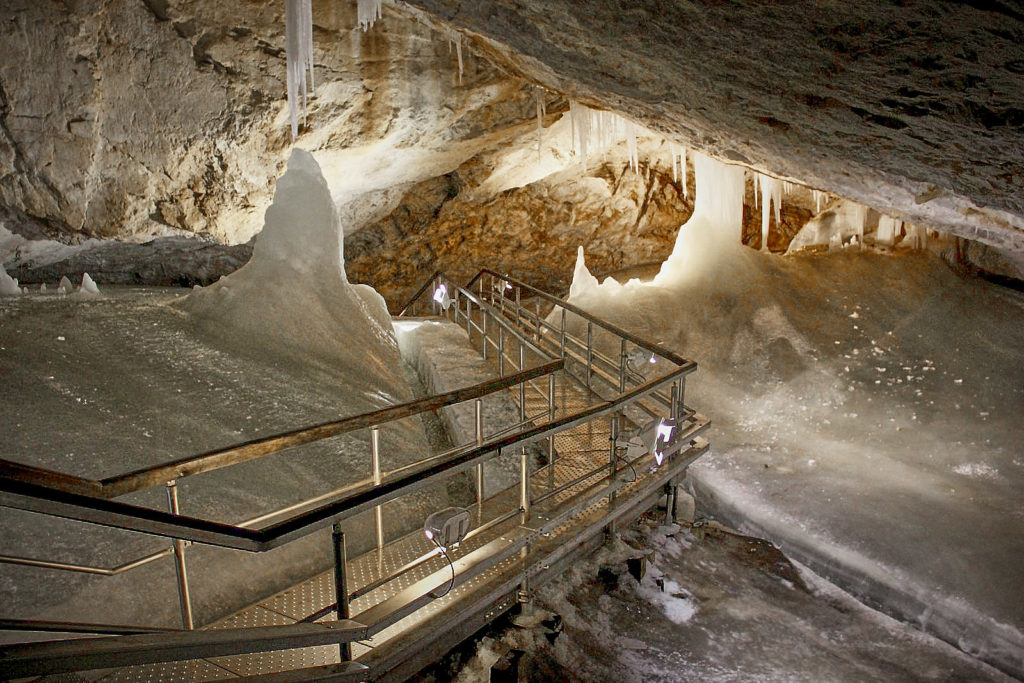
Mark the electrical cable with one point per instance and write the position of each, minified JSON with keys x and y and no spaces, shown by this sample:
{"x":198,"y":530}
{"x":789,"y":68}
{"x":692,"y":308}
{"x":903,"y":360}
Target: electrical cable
{"x":451,"y":584}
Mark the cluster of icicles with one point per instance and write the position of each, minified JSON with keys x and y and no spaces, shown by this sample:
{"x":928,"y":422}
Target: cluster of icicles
{"x":299,"y":44}
{"x":593,"y":131}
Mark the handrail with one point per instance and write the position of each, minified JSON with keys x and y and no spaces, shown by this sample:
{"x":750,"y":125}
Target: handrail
{"x":419,"y":293}
{"x":661,"y":351}
{"x":156,"y":475}
{"x":47,"y":500}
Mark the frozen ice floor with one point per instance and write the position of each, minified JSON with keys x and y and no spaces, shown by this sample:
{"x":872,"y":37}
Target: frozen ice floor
{"x":97,"y":387}
{"x":867,"y":415}
{"x":733,"y":608}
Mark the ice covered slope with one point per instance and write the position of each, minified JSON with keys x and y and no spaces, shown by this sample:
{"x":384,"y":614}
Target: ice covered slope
{"x":867,"y":416}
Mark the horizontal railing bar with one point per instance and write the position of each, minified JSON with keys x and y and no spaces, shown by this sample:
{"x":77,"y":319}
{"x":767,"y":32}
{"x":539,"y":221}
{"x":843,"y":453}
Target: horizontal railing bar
{"x":146,"y":520}
{"x":75,"y":627}
{"x":160,"y":474}
{"x":419,"y":293}
{"x":665,"y":353}
{"x":53,"y":657}
{"x":86,"y":569}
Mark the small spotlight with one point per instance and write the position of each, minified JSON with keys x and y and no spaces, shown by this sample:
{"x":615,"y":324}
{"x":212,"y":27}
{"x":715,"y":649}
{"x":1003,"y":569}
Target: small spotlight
{"x":658,"y":437}
{"x":638,"y":358}
{"x":441,"y":296}
{"x":447,"y":528}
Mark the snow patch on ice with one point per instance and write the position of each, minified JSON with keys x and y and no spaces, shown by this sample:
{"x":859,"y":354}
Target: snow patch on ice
{"x":977,"y":469}
{"x":676,"y":603}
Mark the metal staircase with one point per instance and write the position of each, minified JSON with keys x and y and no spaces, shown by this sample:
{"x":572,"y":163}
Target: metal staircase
{"x":585,"y":391}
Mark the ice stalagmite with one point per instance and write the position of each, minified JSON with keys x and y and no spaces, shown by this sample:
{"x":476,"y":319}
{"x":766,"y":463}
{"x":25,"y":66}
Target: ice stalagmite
{"x":9,"y":285}
{"x":89,"y":286}
{"x":299,"y":48}
{"x":582,"y":281}
{"x":65,"y":286}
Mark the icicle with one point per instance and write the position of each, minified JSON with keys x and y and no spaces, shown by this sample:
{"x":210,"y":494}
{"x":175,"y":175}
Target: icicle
{"x":917,"y":236}
{"x":757,"y":189}
{"x":299,"y":49}
{"x":819,"y":196}
{"x":771,"y":194}
{"x":634,"y":160}
{"x":458,"y":54}
{"x":369,"y":11}
{"x":538,"y":94}
{"x":888,"y":229}
{"x":682,"y":170}
{"x":675,"y":173}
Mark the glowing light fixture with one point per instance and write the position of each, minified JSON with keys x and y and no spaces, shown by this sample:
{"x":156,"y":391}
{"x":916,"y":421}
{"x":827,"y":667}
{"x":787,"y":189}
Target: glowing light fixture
{"x":659,"y":437}
{"x":441,"y":296}
{"x":638,"y":358}
{"x":447,"y":528}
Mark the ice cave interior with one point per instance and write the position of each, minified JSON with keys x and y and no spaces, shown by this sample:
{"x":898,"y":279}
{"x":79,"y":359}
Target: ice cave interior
{"x":210,"y":213}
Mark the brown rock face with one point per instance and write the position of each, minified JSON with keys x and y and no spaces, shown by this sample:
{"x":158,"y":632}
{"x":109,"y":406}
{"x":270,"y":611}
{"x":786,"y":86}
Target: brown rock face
{"x":622,"y":219}
{"x":913,"y":108}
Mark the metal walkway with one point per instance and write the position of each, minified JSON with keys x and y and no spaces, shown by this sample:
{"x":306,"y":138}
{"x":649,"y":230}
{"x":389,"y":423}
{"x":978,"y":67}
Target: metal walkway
{"x":582,"y":388}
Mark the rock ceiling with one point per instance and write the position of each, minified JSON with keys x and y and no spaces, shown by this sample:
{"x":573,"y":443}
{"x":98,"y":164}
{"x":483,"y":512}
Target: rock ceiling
{"x":128,"y":119}
{"x":915,"y":108}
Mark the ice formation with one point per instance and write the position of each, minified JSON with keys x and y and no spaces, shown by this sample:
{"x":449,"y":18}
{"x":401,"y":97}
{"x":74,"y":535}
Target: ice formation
{"x":88,"y":286}
{"x":771,"y":196}
{"x":888,"y":231}
{"x":842,"y":221}
{"x":716,"y":222}
{"x":538,"y":94}
{"x":369,"y":11}
{"x":293,"y":298}
{"x":594,"y":130}
{"x":299,"y":49}
{"x":456,"y":38}
{"x":582,"y":280}
{"x":8,"y":285}
{"x":65,"y":286}
{"x":916,"y":236}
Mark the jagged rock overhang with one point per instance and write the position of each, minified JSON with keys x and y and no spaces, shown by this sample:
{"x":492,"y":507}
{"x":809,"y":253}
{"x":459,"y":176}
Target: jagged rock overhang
{"x":915,"y":110}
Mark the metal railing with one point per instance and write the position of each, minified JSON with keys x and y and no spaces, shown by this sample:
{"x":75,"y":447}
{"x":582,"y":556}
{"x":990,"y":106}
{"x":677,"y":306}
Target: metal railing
{"x":521,"y":341}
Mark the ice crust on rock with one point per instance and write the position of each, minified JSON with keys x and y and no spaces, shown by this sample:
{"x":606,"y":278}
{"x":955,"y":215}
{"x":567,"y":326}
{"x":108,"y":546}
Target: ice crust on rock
{"x":293,"y":298}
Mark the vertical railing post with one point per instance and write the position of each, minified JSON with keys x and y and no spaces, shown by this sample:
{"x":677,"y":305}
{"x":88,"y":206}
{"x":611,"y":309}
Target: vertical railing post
{"x":522,"y":385}
{"x":524,"y":482}
{"x":561,"y":342}
{"x":501,"y":351}
{"x":341,"y":584}
{"x":536,"y":309}
{"x":184,"y":596}
{"x":375,"y":467}
{"x":590,"y":349}
{"x":613,"y":455}
{"x":518,"y":293}
{"x":622,"y":367}
{"x":674,"y":404}
{"x":551,"y":437}
{"x":484,"y":313}
{"x":469,"y":319}
{"x":479,"y":405}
